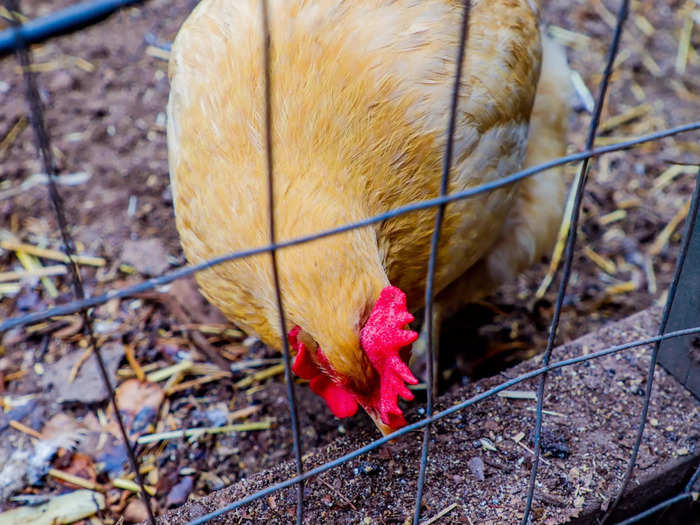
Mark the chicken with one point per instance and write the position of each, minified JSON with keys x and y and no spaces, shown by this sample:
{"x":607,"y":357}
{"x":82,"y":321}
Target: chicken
{"x":360,"y":97}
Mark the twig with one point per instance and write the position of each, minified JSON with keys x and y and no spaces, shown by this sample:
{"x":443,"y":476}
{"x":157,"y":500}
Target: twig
{"x":75,"y":480}
{"x":14,"y":132}
{"x":127,"y":484}
{"x":165,"y":373}
{"x":9,"y":288}
{"x":133,"y":363}
{"x":440,"y":514}
{"x":251,"y":363}
{"x":244,"y":412}
{"x":47,"y":253}
{"x":561,"y":239}
{"x":157,"y":52}
{"x":518,"y":394}
{"x":670,"y":174}
{"x":548,"y":412}
{"x":623,"y":118}
{"x":32,"y":263}
{"x":259,"y":376}
{"x":197,"y":338}
{"x":617,"y":289}
{"x":684,"y":44}
{"x":662,"y":240}
{"x":76,"y":367}
{"x":196,"y":432}
{"x":611,"y":217}
{"x":196,"y":382}
{"x":44,"y":271}
{"x":24,"y":428}
{"x":335,"y":491}
{"x":603,"y":263}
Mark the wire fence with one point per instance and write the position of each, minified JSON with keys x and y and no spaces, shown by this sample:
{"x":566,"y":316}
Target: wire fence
{"x":22,"y":35}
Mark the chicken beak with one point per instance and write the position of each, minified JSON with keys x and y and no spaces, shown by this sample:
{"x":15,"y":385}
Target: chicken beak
{"x":384,"y":429}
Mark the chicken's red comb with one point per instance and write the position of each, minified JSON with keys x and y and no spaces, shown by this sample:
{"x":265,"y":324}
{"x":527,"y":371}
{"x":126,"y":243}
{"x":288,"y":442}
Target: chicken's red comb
{"x":382,"y":337}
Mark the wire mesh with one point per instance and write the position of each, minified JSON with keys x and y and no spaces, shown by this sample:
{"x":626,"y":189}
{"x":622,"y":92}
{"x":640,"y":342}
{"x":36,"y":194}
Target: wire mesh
{"x":20,"y":40}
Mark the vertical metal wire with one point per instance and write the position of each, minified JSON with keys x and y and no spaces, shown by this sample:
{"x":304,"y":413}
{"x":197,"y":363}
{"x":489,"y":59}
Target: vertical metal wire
{"x":446,"y":166}
{"x":680,"y":261}
{"x":273,"y":256}
{"x":570,"y":245}
{"x":44,"y":147}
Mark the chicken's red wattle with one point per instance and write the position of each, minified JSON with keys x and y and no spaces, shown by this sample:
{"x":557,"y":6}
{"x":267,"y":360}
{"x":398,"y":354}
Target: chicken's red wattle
{"x":341,"y":402}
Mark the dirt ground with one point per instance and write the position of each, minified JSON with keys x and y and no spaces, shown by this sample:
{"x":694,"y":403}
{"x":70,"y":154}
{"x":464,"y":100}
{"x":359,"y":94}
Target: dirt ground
{"x":585,"y":451}
{"x":105,"y":90}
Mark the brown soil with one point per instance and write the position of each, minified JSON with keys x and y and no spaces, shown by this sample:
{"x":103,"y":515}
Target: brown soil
{"x":586,"y":444}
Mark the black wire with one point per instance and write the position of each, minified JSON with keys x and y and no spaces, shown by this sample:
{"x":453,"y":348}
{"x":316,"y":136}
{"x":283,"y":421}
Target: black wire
{"x":680,"y":261}
{"x":293,"y":415}
{"x":440,"y":415}
{"x":435,"y":240}
{"x":64,"y":21}
{"x":44,"y":147}
{"x":692,"y":480}
{"x":570,"y":245}
{"x":149,"y":284}
{"x":656,"y":508}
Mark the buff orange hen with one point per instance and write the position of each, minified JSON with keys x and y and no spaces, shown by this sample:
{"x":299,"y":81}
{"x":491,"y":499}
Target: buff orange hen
{"x":359,"y":107}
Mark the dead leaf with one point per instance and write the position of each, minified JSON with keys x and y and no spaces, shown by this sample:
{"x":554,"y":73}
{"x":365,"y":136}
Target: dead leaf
{"x":138,"y":404}
{"x":87,"y":387}
{"x":81,"y":466}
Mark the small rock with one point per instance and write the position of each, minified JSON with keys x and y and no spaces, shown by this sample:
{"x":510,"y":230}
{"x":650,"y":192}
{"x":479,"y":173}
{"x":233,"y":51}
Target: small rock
{"x":553,"y":443}
{"x":367,"y":468}
{"x":476,"y":465}
{"x":147,"y":256}
{"x":180,"y":491}
{"x":135,"y":511}
{"x":212,"y":481}
{"x":59,"y":81}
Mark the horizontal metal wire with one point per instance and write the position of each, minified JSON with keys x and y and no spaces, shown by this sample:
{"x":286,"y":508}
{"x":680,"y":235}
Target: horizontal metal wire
{"x":61,"y":22}
{"x":169,"y":277}
{"x":439,"y":415}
